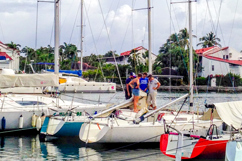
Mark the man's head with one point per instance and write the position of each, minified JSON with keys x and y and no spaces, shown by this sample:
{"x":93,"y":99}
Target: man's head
{"x":150,"y":77}
{"x":144,"y":75}
{"x":139,"y":75}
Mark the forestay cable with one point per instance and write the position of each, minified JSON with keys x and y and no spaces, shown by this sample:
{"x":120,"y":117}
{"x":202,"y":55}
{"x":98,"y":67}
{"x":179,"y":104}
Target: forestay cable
{"x":111,"y":46}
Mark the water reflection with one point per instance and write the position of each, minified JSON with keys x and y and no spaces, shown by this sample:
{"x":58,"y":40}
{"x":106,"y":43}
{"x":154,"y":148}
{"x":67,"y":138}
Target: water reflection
{"x":30,"y":148}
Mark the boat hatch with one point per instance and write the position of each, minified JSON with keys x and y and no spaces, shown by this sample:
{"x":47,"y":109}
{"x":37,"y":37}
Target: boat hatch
{"x":26,"y":103}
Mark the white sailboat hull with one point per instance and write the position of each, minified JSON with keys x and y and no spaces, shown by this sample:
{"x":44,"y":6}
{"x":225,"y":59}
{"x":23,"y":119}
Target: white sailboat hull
{"x":13,"y":106}
{"x":101,"y":132}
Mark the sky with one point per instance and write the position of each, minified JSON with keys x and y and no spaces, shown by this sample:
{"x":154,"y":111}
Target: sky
{"x":118,"y":25}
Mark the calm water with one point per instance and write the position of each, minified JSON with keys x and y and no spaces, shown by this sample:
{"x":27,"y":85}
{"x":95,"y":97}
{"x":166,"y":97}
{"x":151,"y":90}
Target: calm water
{"x":28,"y":147}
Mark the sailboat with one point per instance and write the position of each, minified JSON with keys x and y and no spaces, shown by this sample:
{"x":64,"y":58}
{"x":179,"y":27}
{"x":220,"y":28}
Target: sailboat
{"x":215,"y":143}
{"x":212,"y":145}
{"x":145,"y":126}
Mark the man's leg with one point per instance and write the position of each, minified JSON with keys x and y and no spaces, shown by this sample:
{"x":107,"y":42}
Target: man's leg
{"x":126,"y":94}
{"x":149,"y":101}
{"x":154,"y":100}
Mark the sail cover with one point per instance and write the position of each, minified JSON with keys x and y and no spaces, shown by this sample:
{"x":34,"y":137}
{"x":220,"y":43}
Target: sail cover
{"x":29,"y":80}
{"x":230,"y":113}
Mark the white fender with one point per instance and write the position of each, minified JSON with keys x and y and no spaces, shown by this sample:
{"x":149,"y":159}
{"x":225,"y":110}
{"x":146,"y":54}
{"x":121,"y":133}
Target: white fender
{"x":34,"y":117}
{"x":38,"y":123}
{"x":21,"y":122}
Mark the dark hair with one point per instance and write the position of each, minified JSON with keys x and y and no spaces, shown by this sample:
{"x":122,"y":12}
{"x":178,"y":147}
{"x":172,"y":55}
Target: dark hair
{"x":144,"y":73}
{"x":139,"y":75}
{"x":150,"y":75}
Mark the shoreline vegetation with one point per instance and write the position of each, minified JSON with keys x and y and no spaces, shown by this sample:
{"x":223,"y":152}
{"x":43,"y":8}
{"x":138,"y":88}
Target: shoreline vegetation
{"x":172,"y":58}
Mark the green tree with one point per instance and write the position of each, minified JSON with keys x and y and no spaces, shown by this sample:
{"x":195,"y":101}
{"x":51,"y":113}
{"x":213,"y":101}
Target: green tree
{"x":175,"y":54}
{"x":134,"y":60}
{"x":183,"y":38}
{"x":209,"y":40}
{"x":13,"y":45}
{"x":93,"y":60}
{"x":110,"y":54}
{"x":68,"y":51}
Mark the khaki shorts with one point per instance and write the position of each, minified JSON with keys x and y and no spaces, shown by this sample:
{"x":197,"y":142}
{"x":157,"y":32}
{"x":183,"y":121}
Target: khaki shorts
{"x":151,"y":100}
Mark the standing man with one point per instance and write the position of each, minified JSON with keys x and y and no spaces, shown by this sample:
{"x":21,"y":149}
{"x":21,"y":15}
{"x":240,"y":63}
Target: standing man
{"x":154,"y":84}
{"x":144,"y":83}
{"x":128,"y":89}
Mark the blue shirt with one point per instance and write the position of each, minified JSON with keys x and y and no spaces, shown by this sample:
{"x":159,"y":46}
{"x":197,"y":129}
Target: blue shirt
{"x":143,"y":83}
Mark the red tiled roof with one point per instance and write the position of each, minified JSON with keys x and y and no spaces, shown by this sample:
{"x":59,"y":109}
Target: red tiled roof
{"x":237,"y":62}
{"x":127,"y":53}
{"x":201,"y":51}
{"x":6,"y":55}
{"x":210,"y":50}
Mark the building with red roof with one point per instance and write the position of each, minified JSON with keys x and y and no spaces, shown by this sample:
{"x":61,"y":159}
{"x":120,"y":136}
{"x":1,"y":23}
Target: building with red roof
{"x":215,"y":60}
{"x":9,"y":58}
{"x":124,"y":56}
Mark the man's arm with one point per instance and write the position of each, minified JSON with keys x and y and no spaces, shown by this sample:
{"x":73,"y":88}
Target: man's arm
{"x":127,"y":87}
{"x":158,"y":85}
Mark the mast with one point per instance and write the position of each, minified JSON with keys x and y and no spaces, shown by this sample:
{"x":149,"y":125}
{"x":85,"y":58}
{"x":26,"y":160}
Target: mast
{"x":149,"y":37}
{"x":190,"y":56}
{"x":81,"y":59}
{"x":56,"y":35}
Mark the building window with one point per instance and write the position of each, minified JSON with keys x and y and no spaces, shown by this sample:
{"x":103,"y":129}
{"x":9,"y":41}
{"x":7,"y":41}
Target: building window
{"x":227,"y":56}
{"x":223,"y":56}
{"x":230,"y":55}
{"x":212,"y":67}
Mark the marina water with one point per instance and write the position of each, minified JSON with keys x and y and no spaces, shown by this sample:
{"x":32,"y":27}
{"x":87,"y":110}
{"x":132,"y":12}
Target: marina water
{"x":28,"y":147}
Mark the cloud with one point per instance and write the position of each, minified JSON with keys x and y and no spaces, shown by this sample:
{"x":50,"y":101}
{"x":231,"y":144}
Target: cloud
{"x":18,"y":19}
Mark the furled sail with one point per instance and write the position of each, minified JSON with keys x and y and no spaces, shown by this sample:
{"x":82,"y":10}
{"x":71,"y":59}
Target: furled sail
{"x":29,"y":80}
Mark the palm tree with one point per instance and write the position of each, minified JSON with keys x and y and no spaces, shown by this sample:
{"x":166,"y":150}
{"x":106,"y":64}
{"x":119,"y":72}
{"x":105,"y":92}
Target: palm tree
{"x":134,"y":59}
{"x":68,"y":51}
{"x":209,"y":40}
{"x":13,"y":46}
{"x":29,"y":52}
{"x":183,"y":38}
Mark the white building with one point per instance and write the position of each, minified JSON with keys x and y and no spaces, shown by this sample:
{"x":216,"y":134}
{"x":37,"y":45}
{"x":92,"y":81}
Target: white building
{"x":215,"y":60}
{"x":123,"y":58}
{"x":9,"y":58}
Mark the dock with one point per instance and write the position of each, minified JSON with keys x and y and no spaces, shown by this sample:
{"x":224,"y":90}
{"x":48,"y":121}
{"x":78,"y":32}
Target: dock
{"x":185,"y":88}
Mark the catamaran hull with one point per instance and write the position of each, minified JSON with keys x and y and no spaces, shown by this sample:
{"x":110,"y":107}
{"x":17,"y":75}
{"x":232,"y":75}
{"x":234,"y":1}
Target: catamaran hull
{"x":102,"y":88}
{"x":85,"y":87}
